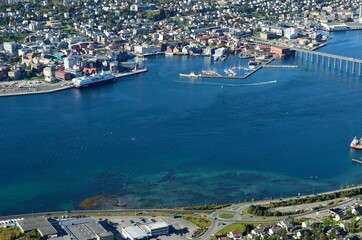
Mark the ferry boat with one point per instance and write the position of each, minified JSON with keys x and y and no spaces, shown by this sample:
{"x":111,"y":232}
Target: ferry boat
{"x":356,"y":144}
{"x":94,"y":79}
{"x":191,"y":75}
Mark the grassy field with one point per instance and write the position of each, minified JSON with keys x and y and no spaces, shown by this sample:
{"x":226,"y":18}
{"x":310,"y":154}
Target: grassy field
{"x":201,"y":222}
{"x":15,"y":233}
{"x":225,"y":215}
{"x":235,"y":226}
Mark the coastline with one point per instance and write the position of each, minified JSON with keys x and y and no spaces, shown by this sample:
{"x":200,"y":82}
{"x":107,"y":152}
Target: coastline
{"x":36,"y":92}
{"x":56,"y":88}
{"x":177,"y":210}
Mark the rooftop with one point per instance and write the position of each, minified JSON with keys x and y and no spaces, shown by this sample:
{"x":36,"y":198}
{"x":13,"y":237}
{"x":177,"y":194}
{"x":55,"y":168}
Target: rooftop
{"x":135,"y":232}
{"x":84,"y":228}
{"x":38,"y":223}
{"x":157,"y":225}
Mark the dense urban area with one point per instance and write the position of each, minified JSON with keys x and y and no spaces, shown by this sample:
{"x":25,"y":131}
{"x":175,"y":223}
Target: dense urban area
{"x":49,"y":43}
{"x":53,"y":45}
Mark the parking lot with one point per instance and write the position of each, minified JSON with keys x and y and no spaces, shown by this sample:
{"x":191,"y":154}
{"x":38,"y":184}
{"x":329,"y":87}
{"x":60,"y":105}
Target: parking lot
{"x":179,"y":227}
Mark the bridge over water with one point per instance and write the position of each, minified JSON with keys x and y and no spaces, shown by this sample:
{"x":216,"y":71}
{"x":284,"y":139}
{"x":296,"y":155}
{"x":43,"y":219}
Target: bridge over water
{"x":351,"y":64}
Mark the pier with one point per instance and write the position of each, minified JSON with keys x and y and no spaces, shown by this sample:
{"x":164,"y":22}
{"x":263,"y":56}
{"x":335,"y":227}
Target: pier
{"x":142,"y":70}
{"x":280,"y":66}
{"x":248,"y":73}
{"x":332,"y":61}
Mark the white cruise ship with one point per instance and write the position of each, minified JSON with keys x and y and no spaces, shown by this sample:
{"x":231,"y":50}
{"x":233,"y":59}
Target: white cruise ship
{"x":97,"y":78}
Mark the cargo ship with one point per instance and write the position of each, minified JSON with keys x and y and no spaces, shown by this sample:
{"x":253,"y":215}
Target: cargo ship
{"x":94,"y":79}
{"x":356,"y":144}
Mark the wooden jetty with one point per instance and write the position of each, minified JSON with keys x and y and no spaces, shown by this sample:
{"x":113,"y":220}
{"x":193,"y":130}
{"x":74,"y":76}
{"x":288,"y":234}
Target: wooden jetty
{"x":357,"y":161}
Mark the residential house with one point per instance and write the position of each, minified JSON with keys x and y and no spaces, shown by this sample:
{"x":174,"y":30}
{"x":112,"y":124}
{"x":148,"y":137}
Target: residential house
{"x":336,"y":213}
{"x":235,"y":234}
{"x":286,"y":223}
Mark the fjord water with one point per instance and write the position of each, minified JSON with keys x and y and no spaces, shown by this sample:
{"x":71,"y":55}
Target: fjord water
{"x":157,"y":140}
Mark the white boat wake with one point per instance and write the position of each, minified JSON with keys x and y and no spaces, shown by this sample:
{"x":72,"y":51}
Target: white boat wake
{"x":227,"y":84}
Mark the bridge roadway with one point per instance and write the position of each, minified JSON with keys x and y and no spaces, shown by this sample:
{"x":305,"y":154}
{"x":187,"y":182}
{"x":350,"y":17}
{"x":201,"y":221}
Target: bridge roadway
{"x":328,"y":55}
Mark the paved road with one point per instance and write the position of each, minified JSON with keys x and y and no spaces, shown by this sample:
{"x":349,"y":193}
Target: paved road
{"x":239,"y":217}
{"x":216,"y":223}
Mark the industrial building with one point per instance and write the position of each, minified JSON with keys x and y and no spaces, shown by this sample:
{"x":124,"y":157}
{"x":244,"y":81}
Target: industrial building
{"x":134,"y":233}
{"x":86,"y":229}
{"x":41,"y":224}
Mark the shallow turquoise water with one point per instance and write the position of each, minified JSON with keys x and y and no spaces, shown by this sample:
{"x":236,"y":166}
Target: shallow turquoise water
{"x":157,"y":140}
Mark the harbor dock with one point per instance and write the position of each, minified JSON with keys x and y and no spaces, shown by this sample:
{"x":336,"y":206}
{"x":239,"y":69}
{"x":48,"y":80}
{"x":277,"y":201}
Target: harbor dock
{"x":13,"y":89}
{"x":248,"y":73}
{"x":281,"y":66}
{"x":142,"y":70}
{"x":48,"y":88}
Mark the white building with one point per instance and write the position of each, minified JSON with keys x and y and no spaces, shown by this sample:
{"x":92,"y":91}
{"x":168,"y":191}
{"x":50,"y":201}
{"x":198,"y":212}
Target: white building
{"x":158,"y":228}
{"x":11,"y":47}
{"x":49,"y":74}
{"x":147,"y":49}
{"x":291,"y":33}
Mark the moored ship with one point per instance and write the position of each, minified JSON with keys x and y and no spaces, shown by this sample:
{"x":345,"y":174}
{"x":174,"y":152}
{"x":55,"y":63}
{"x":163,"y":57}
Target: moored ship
{"x":94,"y":79}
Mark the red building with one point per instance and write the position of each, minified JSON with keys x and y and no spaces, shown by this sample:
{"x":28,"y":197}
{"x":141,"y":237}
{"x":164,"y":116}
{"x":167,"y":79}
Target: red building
{"x":280,"y":50}
{"x":63,"y":75}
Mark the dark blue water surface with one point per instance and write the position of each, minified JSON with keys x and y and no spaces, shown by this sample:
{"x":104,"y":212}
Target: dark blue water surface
{"x":157,"y":140}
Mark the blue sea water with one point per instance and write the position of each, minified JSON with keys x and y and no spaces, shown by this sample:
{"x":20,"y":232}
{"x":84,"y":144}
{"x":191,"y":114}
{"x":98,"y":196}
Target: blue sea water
{"x":157,"y":139}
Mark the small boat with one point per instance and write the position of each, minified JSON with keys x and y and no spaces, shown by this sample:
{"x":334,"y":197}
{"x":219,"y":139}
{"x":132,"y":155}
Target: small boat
{"x":191,"y":75}
{"x":254,"y":62}
{"x":357,"y":161}
{"x":355,"y":143}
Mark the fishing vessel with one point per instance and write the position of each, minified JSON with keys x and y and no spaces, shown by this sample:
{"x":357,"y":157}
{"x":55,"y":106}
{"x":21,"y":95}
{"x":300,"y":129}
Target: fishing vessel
{"x":94,"y":79}
{"x":356,"y":144}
